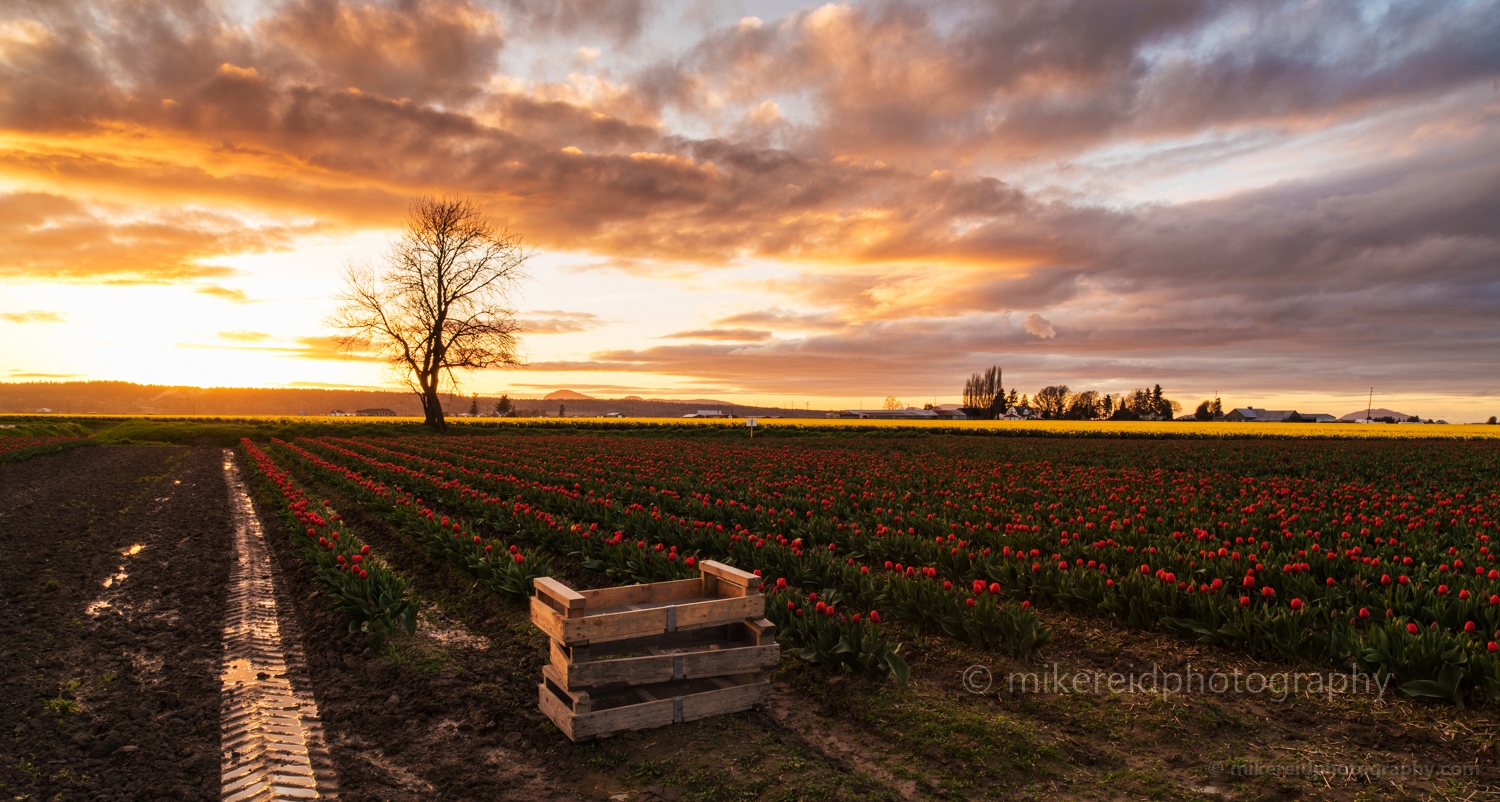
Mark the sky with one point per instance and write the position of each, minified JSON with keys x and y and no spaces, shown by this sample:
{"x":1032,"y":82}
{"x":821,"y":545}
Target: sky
{"x":1286,"y":204}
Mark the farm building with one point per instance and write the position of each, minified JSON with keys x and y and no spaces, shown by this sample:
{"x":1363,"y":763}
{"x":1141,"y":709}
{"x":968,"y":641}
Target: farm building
{"x":1253,"y":415}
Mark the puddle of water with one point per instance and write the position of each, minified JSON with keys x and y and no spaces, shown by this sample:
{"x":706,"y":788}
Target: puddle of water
{"x":120,"y":576}
{"x":238,"y":672}
{"x":96,"y":608}
{"x":135,"y":548}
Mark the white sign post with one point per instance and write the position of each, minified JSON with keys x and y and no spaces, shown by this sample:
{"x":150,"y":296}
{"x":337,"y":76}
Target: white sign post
{"x":751,"y":424}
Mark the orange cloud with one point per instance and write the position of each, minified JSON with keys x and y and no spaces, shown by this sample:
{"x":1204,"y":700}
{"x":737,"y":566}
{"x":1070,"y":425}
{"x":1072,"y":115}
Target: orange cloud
{"x":54,"y":237}
{"x":226,"y":293}
{"x":34,"y":316}
{"x":552,"y":321}
{"x":733,"y":335}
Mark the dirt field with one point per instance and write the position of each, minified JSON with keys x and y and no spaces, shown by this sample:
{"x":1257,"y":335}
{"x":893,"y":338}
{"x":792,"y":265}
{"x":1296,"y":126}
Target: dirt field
{"x":110,"y":674}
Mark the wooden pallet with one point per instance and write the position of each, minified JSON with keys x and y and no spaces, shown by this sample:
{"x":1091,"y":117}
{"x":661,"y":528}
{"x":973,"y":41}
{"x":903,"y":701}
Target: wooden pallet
{"x":583,"y":716}
{"x":644,"y":656}
{"x":720,"y":595}
{"x":743,"y":647}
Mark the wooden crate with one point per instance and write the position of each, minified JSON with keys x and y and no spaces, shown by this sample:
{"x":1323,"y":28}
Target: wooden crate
{"x":583,"y":717}
{"x":719,"y":595}
{"x":740,"y":648}
{"x":644,"y":656}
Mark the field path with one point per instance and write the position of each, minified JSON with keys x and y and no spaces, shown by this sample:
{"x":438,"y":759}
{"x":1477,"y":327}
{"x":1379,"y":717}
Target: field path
{"x":272,"y":741}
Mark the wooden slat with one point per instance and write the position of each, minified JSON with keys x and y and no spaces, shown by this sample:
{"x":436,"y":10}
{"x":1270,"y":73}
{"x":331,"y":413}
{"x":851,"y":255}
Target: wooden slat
{"x":578,"y":701}
{"x":727,"y":700}
{"x":662,"y":668}
{"x":730,"y":574}
{"x":604,"y":598}
{"x":640,"y":623}
{"x":762,"y":631}
{"x":648,"y":715}
{"x":547,"y":619}
{"x":559,"y":596}
{"x":554,"y":708}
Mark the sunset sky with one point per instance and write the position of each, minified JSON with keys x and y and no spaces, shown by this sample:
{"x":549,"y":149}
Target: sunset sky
{"x":1286,"y":203}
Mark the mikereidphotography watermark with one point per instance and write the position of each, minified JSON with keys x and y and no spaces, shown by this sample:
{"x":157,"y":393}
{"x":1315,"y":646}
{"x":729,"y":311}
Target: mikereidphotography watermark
{"x":1280,"y":685}
{"x":1425,"y":771}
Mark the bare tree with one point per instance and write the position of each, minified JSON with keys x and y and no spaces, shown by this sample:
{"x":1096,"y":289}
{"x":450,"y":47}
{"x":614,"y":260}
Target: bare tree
{"x":983,"y":395}
{"x":891,"y":402}
{"x":440,"y":303}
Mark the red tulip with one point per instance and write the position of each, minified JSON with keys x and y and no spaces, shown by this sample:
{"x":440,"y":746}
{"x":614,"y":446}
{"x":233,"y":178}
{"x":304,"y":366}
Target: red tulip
{"x":1469,"y":626}
{"x":1244,"y":601}
{"x":1296,"y":604}
{"x":1412,"y":629}
{"x":1494,"y":647}
{"x":970,"y":601}
{"x":874,"y":617}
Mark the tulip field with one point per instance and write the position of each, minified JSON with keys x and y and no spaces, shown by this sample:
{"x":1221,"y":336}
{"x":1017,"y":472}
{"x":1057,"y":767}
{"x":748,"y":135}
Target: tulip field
{"x":930,"y":592}
{"x":1295,"y":549}
{"x":15,"y":449}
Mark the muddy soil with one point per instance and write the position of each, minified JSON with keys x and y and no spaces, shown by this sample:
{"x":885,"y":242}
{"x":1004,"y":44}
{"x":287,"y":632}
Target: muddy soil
{"x":412,"y":723}
{"x":112,"y":570}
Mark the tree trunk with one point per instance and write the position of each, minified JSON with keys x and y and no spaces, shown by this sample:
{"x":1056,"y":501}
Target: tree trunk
{"x":432,"y":408}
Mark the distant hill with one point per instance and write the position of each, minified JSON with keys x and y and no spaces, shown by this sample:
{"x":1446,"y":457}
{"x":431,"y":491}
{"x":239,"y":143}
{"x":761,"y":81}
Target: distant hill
{"x":566,"y":395}
{"x":125,"y":398}
{"x":1376,"y":414}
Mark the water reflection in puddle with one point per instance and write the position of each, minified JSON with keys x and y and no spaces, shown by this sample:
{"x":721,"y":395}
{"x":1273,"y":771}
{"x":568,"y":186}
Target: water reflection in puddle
{"x":238,"y":671}
{"x":135,"y":548}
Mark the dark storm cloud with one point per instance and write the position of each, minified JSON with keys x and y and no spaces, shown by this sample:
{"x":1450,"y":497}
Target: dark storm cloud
{"x":940,"y":83}
{"x":904,"y":254}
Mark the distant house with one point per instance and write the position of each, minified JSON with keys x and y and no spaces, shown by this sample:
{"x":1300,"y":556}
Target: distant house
{"x":707,"y":413}
{"x":376,"y":412}
{"x":339,"y":413}
{"x":1316,"y":417}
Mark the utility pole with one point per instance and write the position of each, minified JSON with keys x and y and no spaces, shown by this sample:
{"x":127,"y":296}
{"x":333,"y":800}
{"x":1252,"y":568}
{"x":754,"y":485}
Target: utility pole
{"x":1369,"y":404}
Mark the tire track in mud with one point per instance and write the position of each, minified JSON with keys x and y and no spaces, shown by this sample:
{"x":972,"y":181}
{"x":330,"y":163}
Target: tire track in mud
{"x":272,"y":740}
